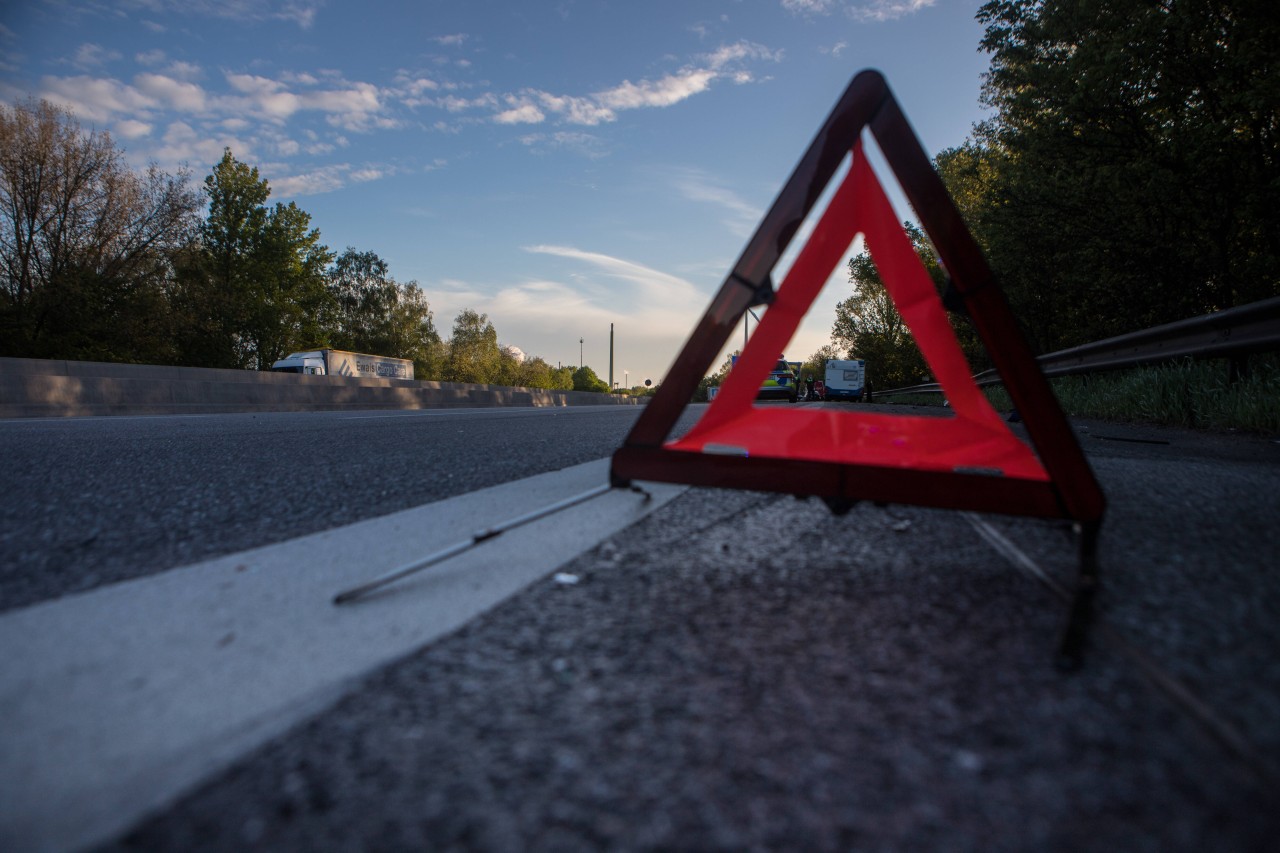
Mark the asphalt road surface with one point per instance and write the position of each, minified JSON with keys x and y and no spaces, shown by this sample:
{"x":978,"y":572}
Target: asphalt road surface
{"x":745,"y":671}
{"x":90,"y":501}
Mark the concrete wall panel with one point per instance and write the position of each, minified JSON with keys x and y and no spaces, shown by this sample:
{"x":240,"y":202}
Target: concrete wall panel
{"x":32,"y":388}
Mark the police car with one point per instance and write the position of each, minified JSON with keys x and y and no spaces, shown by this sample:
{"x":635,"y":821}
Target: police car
{"x":781,"y":384}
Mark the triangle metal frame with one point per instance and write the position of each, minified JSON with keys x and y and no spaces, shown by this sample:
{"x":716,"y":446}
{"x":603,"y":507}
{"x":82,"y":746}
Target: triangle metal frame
{"x":1070,"y":492}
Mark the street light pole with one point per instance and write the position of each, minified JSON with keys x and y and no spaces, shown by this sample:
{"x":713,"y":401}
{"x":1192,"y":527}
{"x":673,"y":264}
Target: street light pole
{"x":579,"y":352}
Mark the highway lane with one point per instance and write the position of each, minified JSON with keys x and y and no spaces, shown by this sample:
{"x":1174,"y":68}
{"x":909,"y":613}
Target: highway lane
{"x":91,"y":501}
{"x":744,"y":670}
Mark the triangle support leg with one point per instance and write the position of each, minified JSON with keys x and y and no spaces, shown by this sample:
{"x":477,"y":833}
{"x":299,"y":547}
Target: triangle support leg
{"x":1075,"y":634}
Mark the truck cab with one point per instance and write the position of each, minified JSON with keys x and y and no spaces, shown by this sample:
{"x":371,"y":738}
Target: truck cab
{"x":301,"y":362}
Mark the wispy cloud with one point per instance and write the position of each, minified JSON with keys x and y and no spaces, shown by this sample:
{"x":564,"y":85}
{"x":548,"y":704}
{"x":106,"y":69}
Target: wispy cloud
{"x":887,"y":10}
{"x":96,"y":99}
{"x":808,"y":7}
{"x":740,"y":216}
{"x":553,"y":310}
{"x":300,"y":12}
{"x":352,"y":106}
{"x":534,"y":106}
{"x":651,"y":284}
{"x":90,"y":56}
{"x":585,"y":144}
{"x":859,"y":10}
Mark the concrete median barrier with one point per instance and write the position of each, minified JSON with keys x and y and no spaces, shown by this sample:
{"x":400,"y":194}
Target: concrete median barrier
{"x":37,"y":388}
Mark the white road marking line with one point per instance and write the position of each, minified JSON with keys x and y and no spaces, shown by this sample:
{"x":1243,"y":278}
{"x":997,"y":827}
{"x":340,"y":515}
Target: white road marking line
{"x":117,"y":700}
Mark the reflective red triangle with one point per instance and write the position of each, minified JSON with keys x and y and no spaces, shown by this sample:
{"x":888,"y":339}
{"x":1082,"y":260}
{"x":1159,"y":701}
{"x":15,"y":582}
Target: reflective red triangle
{"x":845,"y":456}
{"x":974,"y":438}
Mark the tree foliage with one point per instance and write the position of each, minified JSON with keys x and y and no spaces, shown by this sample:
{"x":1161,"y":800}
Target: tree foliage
{"x":585,"y":379}
{"x":473,"y":352}
{"x":86,"y":243}
{"x":257,"y":288}
{"x":815,"y":366}
{"x":869,"y":326}
{"x":1131,"y":175}
{"x":372,"y":312}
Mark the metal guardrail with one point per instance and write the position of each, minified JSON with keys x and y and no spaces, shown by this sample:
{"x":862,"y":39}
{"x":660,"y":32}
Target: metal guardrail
{"x":1232,"y":333}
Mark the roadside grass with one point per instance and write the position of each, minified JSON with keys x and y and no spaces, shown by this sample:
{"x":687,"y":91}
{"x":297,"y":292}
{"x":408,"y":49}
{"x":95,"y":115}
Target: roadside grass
{"x":1196,"y":394}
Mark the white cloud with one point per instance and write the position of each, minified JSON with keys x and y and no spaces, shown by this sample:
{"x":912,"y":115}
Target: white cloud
{"x":177,"y":94}
{"x":150,"y":57}
{"x":583,"y":111}
{"x":95,"y":99}
{"x":455,"y":40}
{"x":184,"y":70}
{"x":584,"y":144}
{"x":546,"y":314}
{"x":740,"y":51}
{"x":671,"y":89}
{"x":300,"y":78}
{"x":862,"y":10}
{"x":532,"y":106}
{"x":652,"y":286}
{"x":354,"y":107}
{"x":322,"y":180}
{"x":887,"y":10}
{"x":523,"y":114}
{"x":325,"y":179}
{"x":183,"y":143}
{"x":301,"y":12}
{"x":455,"y":104}
{"x":808,"y":7}
{"x":741,"y":217}
{"x":93,"y":55}
{"x":131,"y":129}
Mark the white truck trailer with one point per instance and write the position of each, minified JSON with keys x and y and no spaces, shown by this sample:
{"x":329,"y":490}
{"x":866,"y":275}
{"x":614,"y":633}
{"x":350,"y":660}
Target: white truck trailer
{"x":335,"y":362}
{"x":845,"y":379}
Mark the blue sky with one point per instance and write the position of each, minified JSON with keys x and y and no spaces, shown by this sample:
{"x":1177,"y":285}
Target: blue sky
{"x":558,"y":165}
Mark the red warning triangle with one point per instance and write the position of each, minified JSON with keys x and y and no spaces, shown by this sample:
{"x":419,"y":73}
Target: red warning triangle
{"x":969,"y":461}
{"x":977,"y":439}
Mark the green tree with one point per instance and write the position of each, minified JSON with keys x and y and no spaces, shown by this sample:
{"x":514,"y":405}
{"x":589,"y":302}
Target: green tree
{"x":868,"y":325}
{"x":473,"y":354}
{"x":86,"y":243}
{"x":291,"y":300}
{"x":534,"y":372}
{"x":217,"y":285}
{"x":412,"y":332}
{"x":364,"y":294}
{"x":562,"y":378}
{"x":585,"y":379}
{"x":256,"y":290}
{"x":372,"y":312}
{"x":815,"y":366}
{"x":1133,"y":168}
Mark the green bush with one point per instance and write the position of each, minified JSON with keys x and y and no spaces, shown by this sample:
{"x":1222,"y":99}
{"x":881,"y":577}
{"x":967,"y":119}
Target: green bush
{"x":1195,"y":394}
